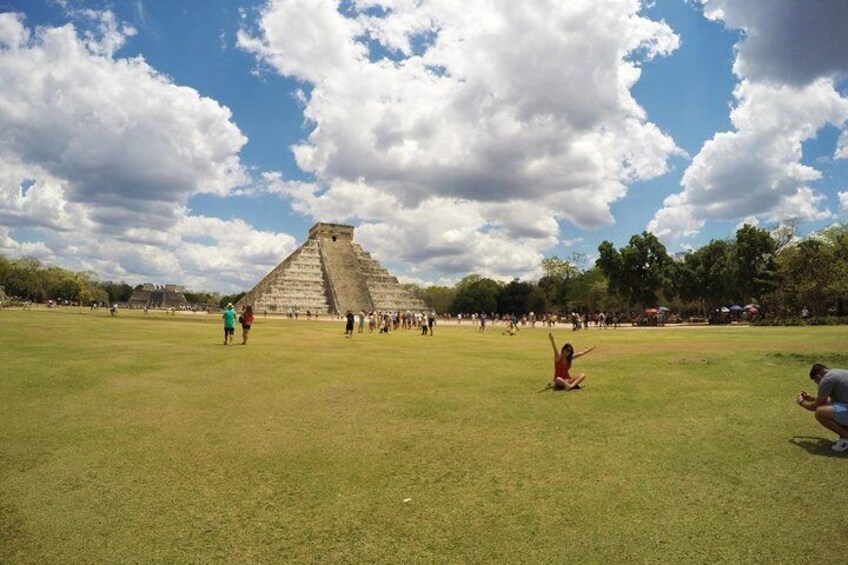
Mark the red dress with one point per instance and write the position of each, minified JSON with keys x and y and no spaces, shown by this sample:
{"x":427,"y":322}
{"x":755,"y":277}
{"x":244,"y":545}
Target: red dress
{"x":561,"y":368}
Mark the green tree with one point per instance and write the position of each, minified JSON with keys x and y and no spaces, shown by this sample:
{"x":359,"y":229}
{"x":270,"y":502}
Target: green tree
{"x":514,"y":298}
{"x":555,"y":292}
{"x":813,"y":273}
{"x":838,"y":236}
{"x":26,"y":280}
{"x":467,"y":281}
{"x":754,"y":266}
{"x":557,"y":280}
{"x":561,"y":268}
{"x":537,"y":302}
{"x":439,"y":298}
{"x":93,"y":292}
{"x":640,"y":271}
{"x":5,"y":269}
{"x":56,"y":282}
{"x":226,"y":299}
{"x":707,"y":274}
{"x":481,"y":295}
{"x":118,"y":291}
{"x":590,"y":293}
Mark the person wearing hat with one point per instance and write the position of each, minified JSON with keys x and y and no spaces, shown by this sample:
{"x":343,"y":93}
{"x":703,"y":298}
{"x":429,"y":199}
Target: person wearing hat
{"x":229,"y":317}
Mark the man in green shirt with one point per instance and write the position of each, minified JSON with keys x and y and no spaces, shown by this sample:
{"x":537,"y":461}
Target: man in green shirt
{"x":229,"y":317}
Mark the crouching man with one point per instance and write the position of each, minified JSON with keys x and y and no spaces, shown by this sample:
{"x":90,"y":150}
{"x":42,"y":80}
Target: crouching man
{"x":831,"y":403}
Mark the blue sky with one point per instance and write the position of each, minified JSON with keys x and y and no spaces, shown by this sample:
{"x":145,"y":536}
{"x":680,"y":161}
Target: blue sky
{"x":196,"y":142}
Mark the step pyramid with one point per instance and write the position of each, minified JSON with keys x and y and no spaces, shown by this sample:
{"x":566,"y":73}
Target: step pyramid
{"x":330,"y":274}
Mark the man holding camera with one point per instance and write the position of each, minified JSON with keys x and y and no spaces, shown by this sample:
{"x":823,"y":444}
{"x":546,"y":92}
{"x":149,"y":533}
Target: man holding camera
{"x":831,"y":403}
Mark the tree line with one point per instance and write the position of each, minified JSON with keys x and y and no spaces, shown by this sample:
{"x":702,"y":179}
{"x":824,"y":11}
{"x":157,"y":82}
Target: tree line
{"x":774,"y":270}
{"x":28,"y":279}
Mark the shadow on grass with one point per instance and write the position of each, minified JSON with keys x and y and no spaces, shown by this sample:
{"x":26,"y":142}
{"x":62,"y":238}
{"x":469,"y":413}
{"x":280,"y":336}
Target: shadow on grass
{"x":816,"y":446}
{"x":551,"y":388}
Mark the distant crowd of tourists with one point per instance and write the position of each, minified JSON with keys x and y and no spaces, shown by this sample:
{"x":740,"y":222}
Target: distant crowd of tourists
{"x":387,"y":322}
{"x":577,"y":320}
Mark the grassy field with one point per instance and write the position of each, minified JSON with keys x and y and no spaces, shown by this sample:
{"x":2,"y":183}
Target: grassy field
{"x":142,"y":439}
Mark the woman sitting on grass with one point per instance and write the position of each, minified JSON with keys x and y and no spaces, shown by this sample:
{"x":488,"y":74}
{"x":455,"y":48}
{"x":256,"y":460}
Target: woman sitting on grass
{"x":562,"y":364}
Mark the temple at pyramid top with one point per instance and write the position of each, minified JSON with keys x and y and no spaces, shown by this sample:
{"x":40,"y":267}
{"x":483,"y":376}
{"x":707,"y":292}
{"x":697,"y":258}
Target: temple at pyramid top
{"x":330,"y":273}
{"x":331,"y":231}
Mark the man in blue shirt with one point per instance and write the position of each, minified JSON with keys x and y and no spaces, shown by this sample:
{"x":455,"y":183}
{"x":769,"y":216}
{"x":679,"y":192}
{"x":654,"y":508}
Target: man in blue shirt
{"x":831,"y":402}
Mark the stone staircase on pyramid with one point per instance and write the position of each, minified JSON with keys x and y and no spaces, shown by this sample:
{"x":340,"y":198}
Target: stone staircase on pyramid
{"x":297,"y":283}
{"x":348,"y":289}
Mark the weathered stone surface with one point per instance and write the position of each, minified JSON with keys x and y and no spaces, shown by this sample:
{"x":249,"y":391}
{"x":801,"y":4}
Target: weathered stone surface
{"x":330,"y":274}
{"x":151,"y":296}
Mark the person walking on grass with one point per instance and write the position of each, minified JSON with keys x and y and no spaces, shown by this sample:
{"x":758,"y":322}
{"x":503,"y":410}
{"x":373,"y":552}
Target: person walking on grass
{"x":229,"y":316}
{"x":831,"y":403}
{"x":562,"y":365}
{"x":246,"y":320}
{"x":348,"y":324}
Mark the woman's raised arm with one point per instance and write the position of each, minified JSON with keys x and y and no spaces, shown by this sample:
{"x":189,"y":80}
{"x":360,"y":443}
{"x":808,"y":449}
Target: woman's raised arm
{"x":584,"y":352}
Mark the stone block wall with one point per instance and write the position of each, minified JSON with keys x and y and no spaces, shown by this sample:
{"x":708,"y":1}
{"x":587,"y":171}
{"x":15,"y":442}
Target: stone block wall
{"x":386,"y":292}
{"x":159,"y":298}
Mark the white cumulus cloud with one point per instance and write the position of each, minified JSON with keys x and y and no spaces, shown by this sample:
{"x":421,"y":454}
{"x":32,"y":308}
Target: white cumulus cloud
{"x":99,"y":156}
{"x":114,"y":130}
{"x":518,"y":114}
{"x":789,"y":62}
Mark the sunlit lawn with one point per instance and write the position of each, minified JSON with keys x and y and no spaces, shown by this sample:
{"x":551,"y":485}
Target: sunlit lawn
{"x":142,"y":439}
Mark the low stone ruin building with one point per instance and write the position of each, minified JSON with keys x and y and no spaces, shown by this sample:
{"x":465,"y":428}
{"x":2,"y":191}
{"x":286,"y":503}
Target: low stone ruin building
{"x":153,"y":296}
{"x":330,"y":273}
